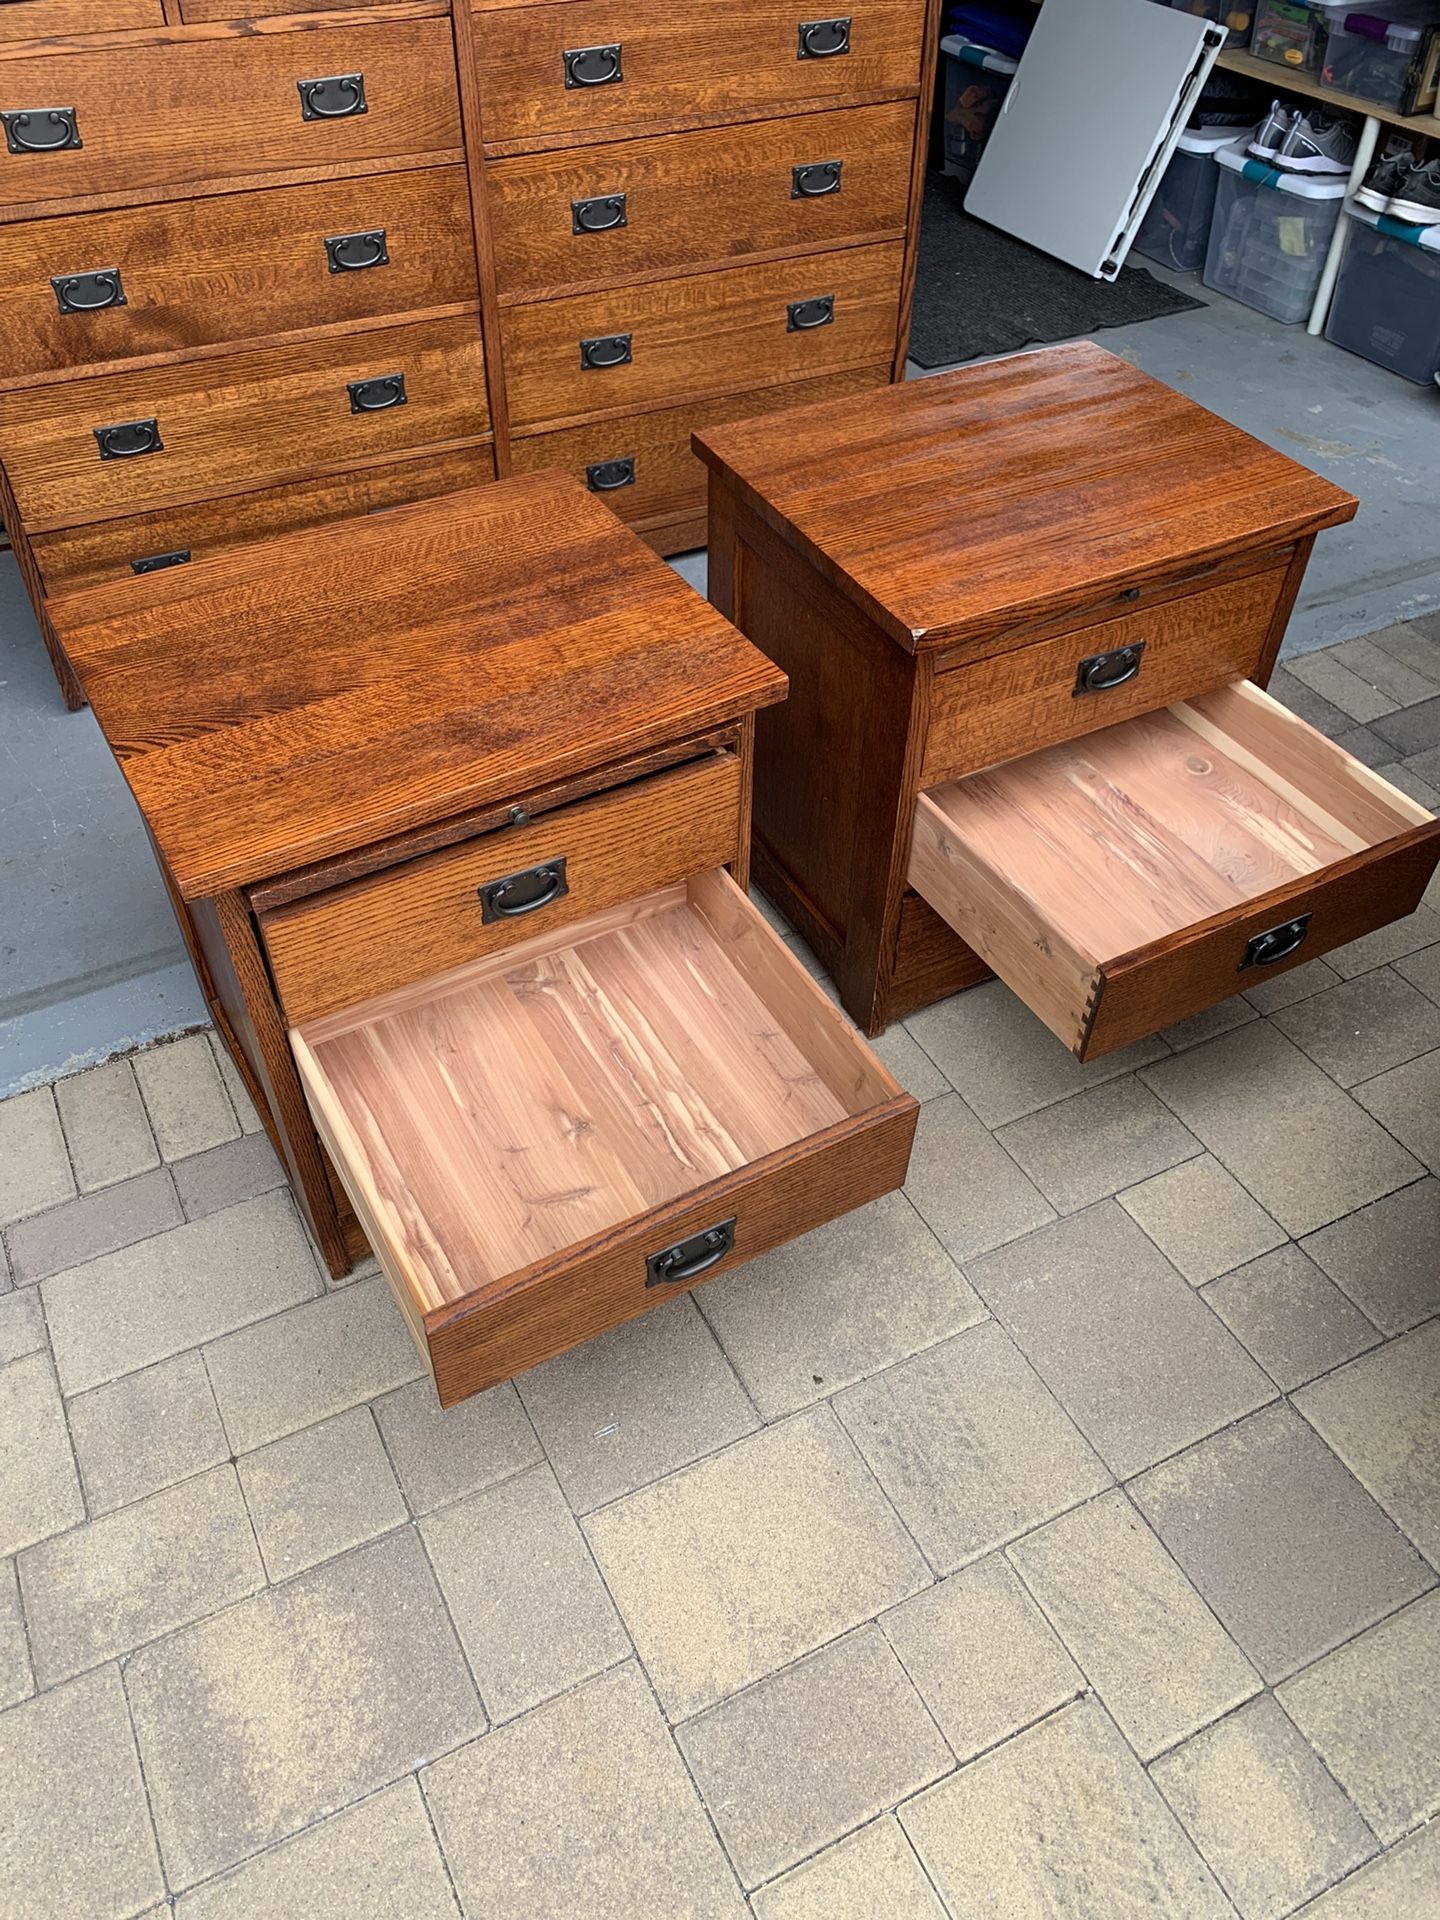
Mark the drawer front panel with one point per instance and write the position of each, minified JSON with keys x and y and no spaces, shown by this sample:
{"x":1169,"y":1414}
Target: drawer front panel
{"x":567,"y":221}
{"x":113,"y":286}
{"x":37,"y":18}
{"x":717,"y":332}
{"x":244,"y":419}
{"x":163,"y":112}
{"x":610,"y":63}
{"x":108,"y":550}
{"x":428,"y":916}
{"x":194,"y":11}
{"x":642,"y":463}
{"x":1017,"y":702}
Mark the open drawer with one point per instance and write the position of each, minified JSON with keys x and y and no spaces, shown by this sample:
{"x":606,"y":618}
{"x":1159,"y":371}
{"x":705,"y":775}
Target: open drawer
{"x":551,"y":1139}
{"x":1126,"y":879}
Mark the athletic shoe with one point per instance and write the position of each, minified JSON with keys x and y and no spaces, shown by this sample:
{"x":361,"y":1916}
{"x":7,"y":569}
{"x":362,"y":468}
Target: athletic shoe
{"x":1418,"y":200}
{"x":1318,"y":143}
{"x":1269,"y":136}
{"x":1385,"y":180}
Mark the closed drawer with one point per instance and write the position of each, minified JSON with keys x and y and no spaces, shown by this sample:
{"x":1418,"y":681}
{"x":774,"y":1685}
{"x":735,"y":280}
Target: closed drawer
{"x":1015,"y":702}
{"x":587,"y":218}
{"x":1126,"y":880}
{"x":146,"y":543}
{"x":161,"y":112}
{"x":564,"y":1135}
{"x":114,"y":286}
{"x":209,"y":426}
{"x":493,"y":892}
{"x":593,"y":64}
{"x":192,"y":11}
{"x":30,"y":19}
{"x":706,"y":333}
{"x":642,"y":463}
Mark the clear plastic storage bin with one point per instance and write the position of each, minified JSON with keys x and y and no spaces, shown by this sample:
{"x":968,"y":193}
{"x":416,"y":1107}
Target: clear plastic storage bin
{"x":1389,"y":56}
{"x":1387,"y":298}
{"x":976,"y":82}
{"x":1236,"y":16}
{"x":1292,"y":33}
{"x":1177,"y":225}
{"x":1269,"y":235}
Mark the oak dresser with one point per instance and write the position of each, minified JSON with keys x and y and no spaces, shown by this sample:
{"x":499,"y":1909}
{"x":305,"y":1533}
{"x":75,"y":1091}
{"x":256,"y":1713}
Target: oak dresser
{"x":269,"y":271}
{"x":1028,"y":611}
{"x":455,"y":806}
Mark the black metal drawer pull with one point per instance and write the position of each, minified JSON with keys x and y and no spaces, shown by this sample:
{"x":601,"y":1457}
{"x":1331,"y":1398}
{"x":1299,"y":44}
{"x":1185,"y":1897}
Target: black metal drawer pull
{"x":606,"y":350}
{"x":356,"y":252}
{"x":338,"y":96}
{"x":158,"y":562}
{"x":594,"y":66}
{"x":608,"y":476}
{"x":600,"y":215}
{"x":378,"y":395}
{"x":1278,"y":943}
{"x":690,"y":1258}
{"x":42,"y":130}
{"x":89,"y":292}
{"x":806,"y":315}
{"x":128,"y":439}
{"x":1102,"y":671}
{"x":824,"y":39}
{"x":521,"y":893}
{"x":816,"y":180}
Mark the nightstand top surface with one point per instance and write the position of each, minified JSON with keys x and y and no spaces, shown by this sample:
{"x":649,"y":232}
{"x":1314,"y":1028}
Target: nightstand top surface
{"x":966,"y":502}
{"x":308,"y":695}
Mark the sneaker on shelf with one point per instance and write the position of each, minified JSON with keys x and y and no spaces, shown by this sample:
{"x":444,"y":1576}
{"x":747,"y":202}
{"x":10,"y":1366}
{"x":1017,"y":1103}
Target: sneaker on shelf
{"x":1417,"y":199}
{"x":1385,"y":179}
{"x":1268,"y":138}
{"x":1318,"y":143}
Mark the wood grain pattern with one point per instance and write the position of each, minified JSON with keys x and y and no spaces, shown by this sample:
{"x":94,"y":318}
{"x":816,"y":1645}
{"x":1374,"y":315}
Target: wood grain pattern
{"x":1016,"y":702}
{"x":37,"y":17}
{"x":669,"y":481}
{"x":681,"y":57}
{"x":101,"y":553}
{"x":193,"y":106}
{"x":249,"y":418}
{"x":697,"y":199}
{"x":700,"y":334}
{"x":955,"y":507}
{"x":930,"y":34}
{"x":424,"y":917}
{"x":231,"y":268}
{"x":565,"y":1091}
{"x":1206,"y":816}
{"x":491,"y":642}
{"x":192,"y":11}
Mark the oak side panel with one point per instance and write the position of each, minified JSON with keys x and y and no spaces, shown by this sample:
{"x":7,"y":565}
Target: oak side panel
{"x":919,"y":156}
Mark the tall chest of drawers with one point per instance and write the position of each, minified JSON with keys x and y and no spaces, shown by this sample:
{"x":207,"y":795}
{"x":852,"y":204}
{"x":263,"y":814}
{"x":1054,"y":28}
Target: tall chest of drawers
{"x":266,"y":271}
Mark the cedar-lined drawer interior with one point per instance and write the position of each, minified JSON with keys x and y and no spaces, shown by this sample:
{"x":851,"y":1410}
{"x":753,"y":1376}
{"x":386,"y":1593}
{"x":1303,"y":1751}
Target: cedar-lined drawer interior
{"x":554,"y":1139}
{"x":1124,"y":880}
{"x":489,"y":894}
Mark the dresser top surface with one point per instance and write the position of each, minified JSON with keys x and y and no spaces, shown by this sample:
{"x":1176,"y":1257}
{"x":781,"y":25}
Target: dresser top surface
{"x":308,"y":695}
{"x":1023,"y":487}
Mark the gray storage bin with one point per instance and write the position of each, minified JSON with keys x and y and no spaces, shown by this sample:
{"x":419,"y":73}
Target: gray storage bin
{"x":1387,"y":301}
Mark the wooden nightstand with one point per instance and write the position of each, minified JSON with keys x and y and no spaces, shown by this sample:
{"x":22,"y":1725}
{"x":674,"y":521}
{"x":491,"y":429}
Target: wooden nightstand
{"x":446,"y":799}
{"x":1027,"y":611}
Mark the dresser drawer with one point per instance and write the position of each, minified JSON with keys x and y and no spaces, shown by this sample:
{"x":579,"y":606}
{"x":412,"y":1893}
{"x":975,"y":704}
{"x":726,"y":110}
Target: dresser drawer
{"x":558,"y":1138}
{"x":146,"y":543}
{"x":706,"y":333}
{"x":597,"y":214}
{"x":642,"y":464}
{"x":180,"y":109}
{"x":492,"y":893}
{"x":593,"y":64}
{"x":1013,"y":703}
{"x":211,"y":426}
{"x":31,"y":19}
{"x":99,"y":287}
{"x":192,"y":11}
{"x":1129,"y":879}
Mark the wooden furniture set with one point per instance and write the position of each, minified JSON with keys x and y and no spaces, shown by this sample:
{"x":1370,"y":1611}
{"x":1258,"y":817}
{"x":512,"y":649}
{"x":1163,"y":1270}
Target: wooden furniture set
{"x":265,"y":264}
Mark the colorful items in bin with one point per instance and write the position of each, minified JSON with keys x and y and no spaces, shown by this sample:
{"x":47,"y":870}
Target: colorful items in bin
{"x":976,"y":82}
{"x":1391,"y":57}
{"x":1387,"y":298}
{"x":1270,"y":234}
{"x":1236,"y":16}
{"x":1177,"y":226}
{"x":1293,"y":33}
